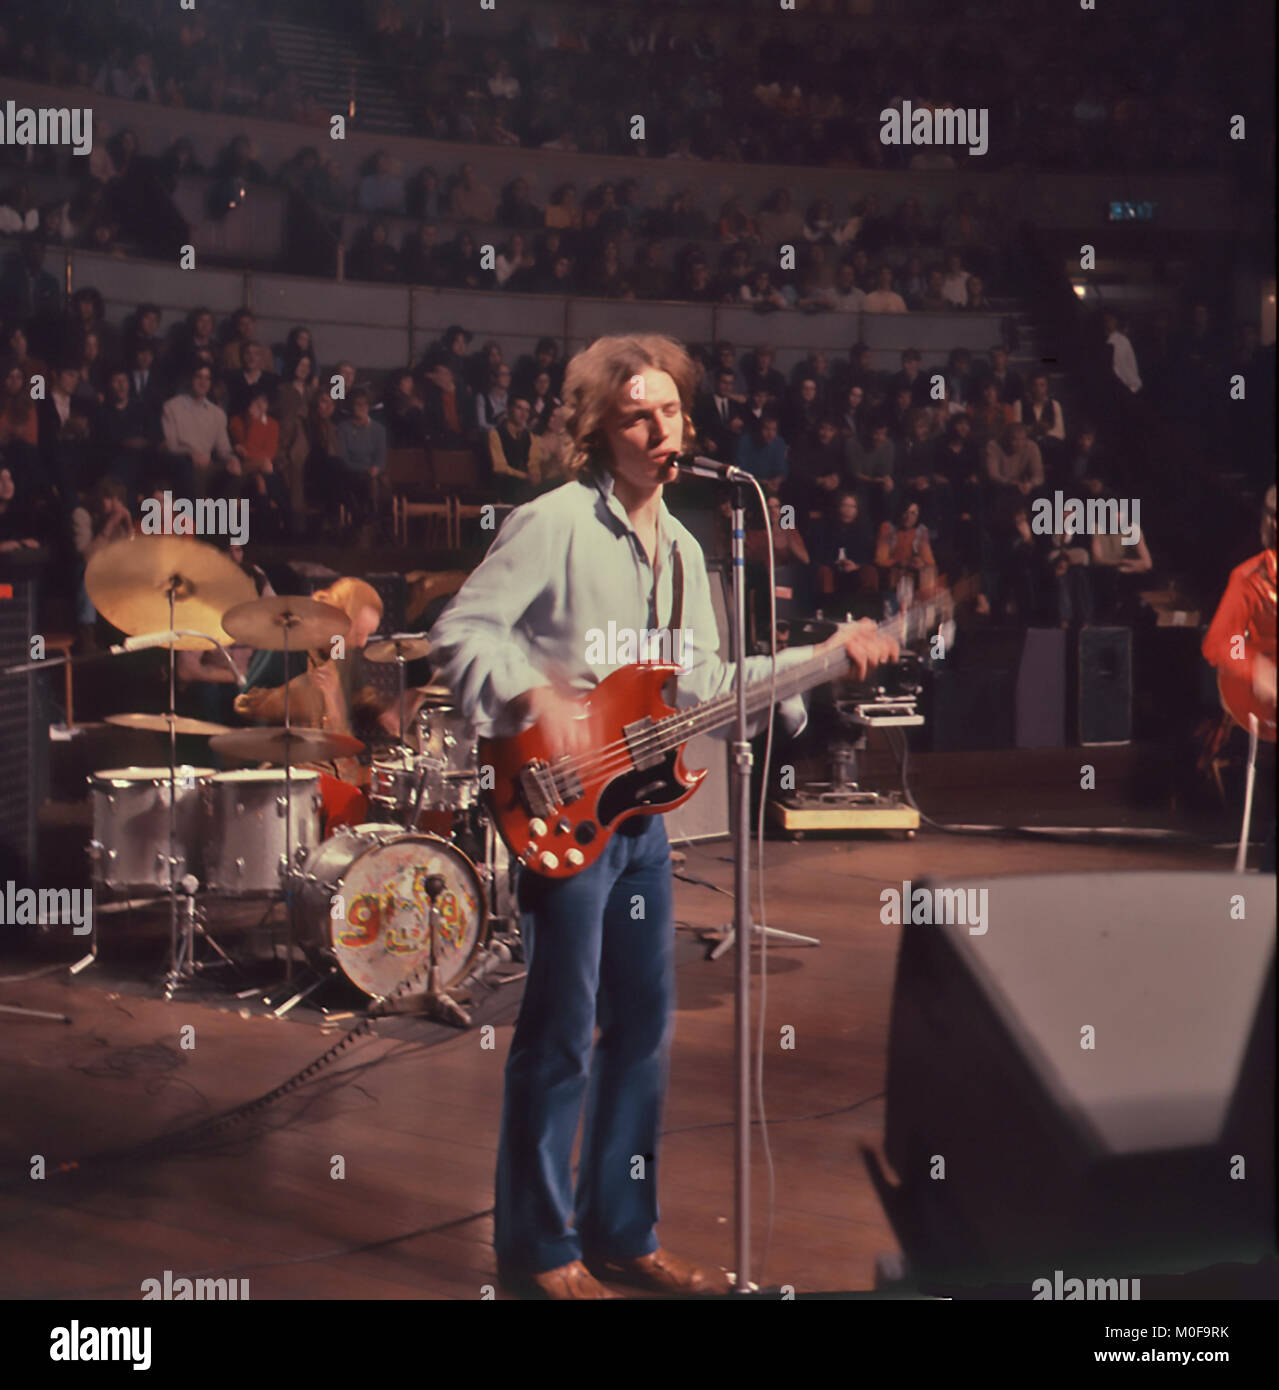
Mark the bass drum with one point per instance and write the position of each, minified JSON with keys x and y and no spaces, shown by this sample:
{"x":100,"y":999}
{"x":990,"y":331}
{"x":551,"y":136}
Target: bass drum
{"x":364,"y":905}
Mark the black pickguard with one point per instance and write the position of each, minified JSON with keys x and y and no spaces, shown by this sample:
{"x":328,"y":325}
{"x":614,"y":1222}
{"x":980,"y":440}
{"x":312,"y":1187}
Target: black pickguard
{"x":649,"y":787}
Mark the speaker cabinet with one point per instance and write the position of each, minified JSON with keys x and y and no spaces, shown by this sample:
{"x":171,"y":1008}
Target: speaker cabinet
{"x":1103,"y":687}
{"x":1089,"y":1080}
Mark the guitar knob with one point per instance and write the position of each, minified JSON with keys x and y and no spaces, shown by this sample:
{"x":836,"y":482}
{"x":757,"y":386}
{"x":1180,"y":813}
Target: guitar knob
{"x":575,"y":857}
{"x":548,"y":860}
{"x":537,"y":827}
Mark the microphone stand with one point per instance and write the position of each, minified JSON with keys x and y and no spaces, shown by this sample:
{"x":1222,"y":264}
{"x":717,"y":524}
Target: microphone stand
{"x":740,"y":783}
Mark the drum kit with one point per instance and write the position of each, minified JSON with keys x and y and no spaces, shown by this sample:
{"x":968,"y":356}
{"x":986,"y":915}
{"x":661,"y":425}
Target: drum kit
{"x":417,"y":901}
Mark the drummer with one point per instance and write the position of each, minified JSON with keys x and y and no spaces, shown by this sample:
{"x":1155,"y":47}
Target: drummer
{"x":332,"y":693}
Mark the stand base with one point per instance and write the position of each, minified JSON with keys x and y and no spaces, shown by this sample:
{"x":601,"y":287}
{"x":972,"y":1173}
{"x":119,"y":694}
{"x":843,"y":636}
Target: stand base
{"x":842,"y":808}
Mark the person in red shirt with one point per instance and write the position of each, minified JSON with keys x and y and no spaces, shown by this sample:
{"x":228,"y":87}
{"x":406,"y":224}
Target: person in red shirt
{"x":1240,"y":643}
{"x":255,"y":438}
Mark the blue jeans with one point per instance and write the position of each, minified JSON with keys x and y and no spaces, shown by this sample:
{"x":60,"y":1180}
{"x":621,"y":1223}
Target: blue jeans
{"x":592,"y":958}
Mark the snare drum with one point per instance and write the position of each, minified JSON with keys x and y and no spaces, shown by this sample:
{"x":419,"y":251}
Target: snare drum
{"x":364,"y":905}
{"x":245,"y":827}
{"x":130,"y":845}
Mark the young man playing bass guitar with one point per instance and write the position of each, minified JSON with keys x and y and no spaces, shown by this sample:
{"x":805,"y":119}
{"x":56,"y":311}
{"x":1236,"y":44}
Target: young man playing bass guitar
{"x":513,"y":646}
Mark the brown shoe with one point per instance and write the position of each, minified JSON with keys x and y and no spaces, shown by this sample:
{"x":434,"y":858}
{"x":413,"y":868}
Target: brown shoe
{"x":569,"y":1281}
{"x":663,"y":1272}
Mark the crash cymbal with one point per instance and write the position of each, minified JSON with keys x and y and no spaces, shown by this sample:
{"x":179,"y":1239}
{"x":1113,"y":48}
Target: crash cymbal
{"x":409,"y":645}
{"x":159,"y":723}
{"x":263,"y":622}
{"x":436,"y":696}
{"x":129,"y":583}
{"x":270,"y":745}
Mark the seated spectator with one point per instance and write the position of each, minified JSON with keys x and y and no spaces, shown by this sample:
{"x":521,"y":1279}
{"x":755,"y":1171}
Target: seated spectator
{"x":844,"y":297}
{"x":324,"y":474}
{"x":491,"y":404}
{"x":449,"y":410}
{"x":736,"y":271}
{"x":1008,"y":385}
{"x":778,"y":222}
{"x":551,"y":451}
{"x":762,"y":453}
{"x":871,"y":467}
{"x":255,"y":438}
{"x":649,"y":278}
{"x":852,"y":423}
{"x":1119,"y":574}
{"x":760,"y":367}
{"x":1123,"y":360}
{"x":127,"y":432}
{"x":361,"y":442}
{"x":934,"y":300}
{"x":959,"y":369}
{"x":562,"y":211}
{"x":1086,"y":459}
{"x":976,"y":302}
{"x":459,"y":265}
{"x":726,"y":361}
{"x":544,"y":359}
{"x":420,"y":256}
{"x":698,"y":287}
{"x":19,"y":422}
{"x":404,"y":413}
{"x":760,"y":293}
{"x":100,"y":521}
{"x":293,"y":400}
{"x":884,"y":299}
{"x":735,"y":225}
{"x":510,"y":446}
{"x":517,"y":209}
{"x":819,"y":221}
{"x":94,"y":370}
{"x":541,"y":403}
{"x":1070,"y":564}
{"x":64,"y":432}
{"x":912,"y":378}
{"x":719,"y":418}
{"x":481,"y":365}
{"x":88,"y":315}
{"x":913,"y":281}
{"x":424,"y":198}
{"x":904,"y":552}
{"x":844,"y":554}
{"x":470,"y":200}
{"x":802,"y":411}
{"x":605,"y":280}
{"x":792,"y":564}
{"x":955,"y":280}
{"x":991,"y":417}
{"x":816,"y":472}
{"x":1044,"y":421}
{"x":372,"y":256}
{"x":240,"y":329}
{"x":24,"y":525}
{"x":515,"y":266}
{"x":382,"y":188}
{"x":251,"y":377}
{"x":1014,"y":470}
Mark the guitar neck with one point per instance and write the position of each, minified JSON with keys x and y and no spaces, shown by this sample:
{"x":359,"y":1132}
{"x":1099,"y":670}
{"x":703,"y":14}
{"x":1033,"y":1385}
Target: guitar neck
{"x":714,"y":714}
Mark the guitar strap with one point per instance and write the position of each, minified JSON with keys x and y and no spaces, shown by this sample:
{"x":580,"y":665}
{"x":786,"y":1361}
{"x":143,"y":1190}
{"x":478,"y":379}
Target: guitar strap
{"x":677,"y":597}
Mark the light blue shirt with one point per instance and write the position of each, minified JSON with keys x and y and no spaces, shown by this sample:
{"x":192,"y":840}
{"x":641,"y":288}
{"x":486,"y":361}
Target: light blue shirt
{"x":566,"y":563}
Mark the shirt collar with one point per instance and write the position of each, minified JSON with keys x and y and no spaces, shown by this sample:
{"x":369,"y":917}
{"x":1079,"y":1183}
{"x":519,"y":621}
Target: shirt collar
{"x":665,"y":530}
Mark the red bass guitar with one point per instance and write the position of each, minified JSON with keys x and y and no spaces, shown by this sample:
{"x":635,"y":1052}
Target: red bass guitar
{"x":557,"y":815}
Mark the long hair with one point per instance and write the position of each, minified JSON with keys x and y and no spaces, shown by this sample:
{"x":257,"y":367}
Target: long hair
{"x":596,"y":375}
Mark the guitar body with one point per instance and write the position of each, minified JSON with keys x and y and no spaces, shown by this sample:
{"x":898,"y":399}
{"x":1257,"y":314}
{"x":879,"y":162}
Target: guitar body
{"x":1239,"y":701}
{"x":557,"y":817}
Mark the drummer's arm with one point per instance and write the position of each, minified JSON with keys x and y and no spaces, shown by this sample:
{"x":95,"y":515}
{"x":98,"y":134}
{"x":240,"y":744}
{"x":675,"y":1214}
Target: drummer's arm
{"x":307,"y":707}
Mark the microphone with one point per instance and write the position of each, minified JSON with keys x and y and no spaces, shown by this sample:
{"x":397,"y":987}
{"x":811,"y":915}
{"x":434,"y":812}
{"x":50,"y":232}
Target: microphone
{"x":147,"y":639}
{"x":701,"y":467}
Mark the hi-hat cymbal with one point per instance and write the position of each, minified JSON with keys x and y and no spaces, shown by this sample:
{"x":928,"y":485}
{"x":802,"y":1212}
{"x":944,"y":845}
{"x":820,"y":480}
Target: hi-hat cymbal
{"x":160,"y":723}
{"x":130,"y":580}
{"x":409,"y":645}
{"x":263,"y":623}
{"x":275,"y":744}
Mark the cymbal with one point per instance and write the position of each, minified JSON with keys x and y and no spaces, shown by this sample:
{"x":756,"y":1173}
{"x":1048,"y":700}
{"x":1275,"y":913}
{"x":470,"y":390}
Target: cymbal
{"x":436,"y":696}
{"x":129,"y":583}
{"x":262,"y":623}
{"x":159,"y":723}
{"x":272,"y":743}
{"x":409,"y":645}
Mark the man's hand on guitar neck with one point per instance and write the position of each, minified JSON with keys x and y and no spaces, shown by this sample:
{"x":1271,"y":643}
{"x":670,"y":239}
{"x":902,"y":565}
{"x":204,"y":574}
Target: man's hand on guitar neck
{"x":866,"y":646}
{"x":561,"y":720}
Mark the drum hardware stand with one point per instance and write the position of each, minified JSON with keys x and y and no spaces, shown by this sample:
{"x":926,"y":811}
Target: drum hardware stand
{"x":188,"y":967}
{"x":438,"y":1003}
{"x":321,"y":977}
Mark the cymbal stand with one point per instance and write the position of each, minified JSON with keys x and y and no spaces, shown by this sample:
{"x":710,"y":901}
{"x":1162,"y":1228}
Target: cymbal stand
{"x":438,"y":1003}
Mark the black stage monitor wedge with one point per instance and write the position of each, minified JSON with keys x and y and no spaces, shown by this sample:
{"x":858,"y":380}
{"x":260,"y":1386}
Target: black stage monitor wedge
{"x":1090,"y":1079}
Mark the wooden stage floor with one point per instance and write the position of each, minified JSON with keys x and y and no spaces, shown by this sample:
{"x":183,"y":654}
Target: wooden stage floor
{"x":416,"y":1124}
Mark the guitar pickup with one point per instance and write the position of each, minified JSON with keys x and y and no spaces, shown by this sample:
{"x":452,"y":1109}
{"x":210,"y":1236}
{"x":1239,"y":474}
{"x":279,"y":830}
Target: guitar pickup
{"x":537,"y":789}
{"x":635,"y":734}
